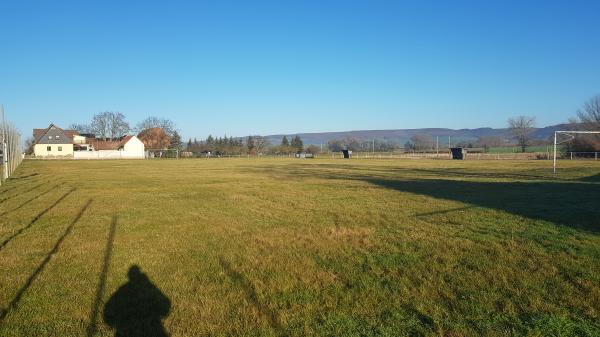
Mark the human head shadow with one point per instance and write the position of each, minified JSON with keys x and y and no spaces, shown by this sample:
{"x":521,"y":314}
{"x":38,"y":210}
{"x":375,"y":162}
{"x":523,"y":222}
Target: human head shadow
{"x":137,"y":307}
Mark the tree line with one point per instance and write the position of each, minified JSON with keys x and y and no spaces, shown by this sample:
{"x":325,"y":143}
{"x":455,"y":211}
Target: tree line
{"x":161,"y":133}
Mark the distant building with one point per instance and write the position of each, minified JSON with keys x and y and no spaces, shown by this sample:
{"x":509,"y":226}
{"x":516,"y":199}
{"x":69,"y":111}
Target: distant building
{"x":56,"y":142}
{"x":127,"y":147}
{"x":53,"y":141}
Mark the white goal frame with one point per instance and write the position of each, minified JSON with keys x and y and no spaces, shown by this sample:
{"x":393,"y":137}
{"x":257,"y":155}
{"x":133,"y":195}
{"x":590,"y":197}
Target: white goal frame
{"x":571,"y":134}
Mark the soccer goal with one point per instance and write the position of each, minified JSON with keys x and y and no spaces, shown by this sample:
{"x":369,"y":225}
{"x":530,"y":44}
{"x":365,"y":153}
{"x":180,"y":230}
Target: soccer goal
{"x":570,"y":136}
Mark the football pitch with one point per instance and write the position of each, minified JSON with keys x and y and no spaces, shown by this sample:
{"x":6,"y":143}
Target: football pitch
{"x":291,"y":247}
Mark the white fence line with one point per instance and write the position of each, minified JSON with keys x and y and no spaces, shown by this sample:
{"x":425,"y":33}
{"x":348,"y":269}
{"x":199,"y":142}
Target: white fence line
{"x":105,"y":154}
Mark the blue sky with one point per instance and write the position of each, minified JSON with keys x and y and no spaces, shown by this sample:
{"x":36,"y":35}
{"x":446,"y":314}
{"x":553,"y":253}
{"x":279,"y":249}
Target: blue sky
{"x":254,"y":67}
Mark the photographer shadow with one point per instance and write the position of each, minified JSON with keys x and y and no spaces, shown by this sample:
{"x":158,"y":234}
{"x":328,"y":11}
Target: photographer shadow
{"x":137,"y":307}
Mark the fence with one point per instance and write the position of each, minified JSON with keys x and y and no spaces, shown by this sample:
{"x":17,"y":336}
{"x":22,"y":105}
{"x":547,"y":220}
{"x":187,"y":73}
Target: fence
{"x":440,"y":155}
{"x":107,"y":154}
{"x":581,"y":155}
{"x":10,"y":147}
{"x":162,"y":154}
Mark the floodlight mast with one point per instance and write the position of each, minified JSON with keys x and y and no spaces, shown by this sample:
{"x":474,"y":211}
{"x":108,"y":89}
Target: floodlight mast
{"x":572,"y":135}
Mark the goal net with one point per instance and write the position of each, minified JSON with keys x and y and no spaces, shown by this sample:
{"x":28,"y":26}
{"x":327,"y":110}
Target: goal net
{"x":567,"y":136}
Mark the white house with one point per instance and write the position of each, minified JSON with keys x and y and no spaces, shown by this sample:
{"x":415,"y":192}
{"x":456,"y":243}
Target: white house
{"x":128,"y":147}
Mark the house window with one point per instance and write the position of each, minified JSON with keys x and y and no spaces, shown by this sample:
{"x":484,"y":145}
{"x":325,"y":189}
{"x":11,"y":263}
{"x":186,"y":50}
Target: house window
{"x":49,"y":137}
{"x":48,"y":148}
{"x":60,"y":148}
{"x":56,"y":137}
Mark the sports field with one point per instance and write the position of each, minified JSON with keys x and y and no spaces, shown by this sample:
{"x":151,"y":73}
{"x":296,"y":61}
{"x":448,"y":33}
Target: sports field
{"x":285,"y":247}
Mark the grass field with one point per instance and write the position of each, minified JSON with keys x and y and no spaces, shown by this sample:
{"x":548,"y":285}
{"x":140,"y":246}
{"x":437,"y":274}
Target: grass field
{"x":284,"y":247}
{"x":516,"y":149}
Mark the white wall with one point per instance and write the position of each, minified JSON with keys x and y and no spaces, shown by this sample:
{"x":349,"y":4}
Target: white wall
{"x":106,"y":154}
{"x":135,"y":148}
{"x":41,"y":150}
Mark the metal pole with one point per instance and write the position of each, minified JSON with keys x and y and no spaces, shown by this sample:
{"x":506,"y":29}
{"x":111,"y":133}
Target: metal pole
{"x":554,"y":165}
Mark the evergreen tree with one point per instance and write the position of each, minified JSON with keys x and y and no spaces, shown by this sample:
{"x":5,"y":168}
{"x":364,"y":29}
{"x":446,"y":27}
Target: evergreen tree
{"x":285,"y":142}
{"x":175,"y":141}
{"x":189,"y":145}
{"x":250,"y":144}
{"x":297,"y":144}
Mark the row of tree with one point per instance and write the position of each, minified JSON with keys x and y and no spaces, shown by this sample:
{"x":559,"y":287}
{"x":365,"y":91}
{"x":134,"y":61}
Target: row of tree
{"x":156,"y":133}
{"x":161,"y":133}
{"x":250,"y":145}
{"x":113,"y":125}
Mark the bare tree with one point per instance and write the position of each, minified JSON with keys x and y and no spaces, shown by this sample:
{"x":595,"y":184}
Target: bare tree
{"x":422,"y":142}
{"x":109,"y":125}
{"x":521,"y":127}
{"x":260,"y":143}
{"x":81,"y":128}
{"x":155,"y":122}
{"x":589,"y":114}
{"x":588,"y":120}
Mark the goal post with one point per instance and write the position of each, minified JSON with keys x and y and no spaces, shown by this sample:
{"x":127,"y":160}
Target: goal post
{"x":571,"y":135}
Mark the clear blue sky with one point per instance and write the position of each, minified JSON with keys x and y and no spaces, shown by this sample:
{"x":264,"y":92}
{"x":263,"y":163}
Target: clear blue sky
{"x":253,"y":67}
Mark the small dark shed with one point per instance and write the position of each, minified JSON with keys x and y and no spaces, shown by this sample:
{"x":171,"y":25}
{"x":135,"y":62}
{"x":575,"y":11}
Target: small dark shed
{"x":458,"y":153}
{"x":347,"y":153}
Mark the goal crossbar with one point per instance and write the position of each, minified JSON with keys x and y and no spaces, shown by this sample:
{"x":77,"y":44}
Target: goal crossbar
{"x":572,"y":135}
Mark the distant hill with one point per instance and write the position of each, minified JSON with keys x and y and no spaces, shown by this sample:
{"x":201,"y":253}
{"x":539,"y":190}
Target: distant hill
{"x":401,"y":136}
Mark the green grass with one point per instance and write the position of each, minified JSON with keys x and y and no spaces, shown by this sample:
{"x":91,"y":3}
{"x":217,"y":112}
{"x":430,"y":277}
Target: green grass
{"x":516,"y":149}
{"x":285,"y":247}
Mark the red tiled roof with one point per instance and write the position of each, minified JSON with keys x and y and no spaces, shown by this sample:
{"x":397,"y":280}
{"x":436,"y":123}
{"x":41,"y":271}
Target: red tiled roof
{"x":100,"y":144}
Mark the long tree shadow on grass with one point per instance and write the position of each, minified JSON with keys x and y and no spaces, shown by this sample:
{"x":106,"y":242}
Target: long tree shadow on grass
{"x":15,"y":301}
{"x":102,"y":279}
{"x":137,"y":307}
{"x":570,"y":204}
{"x":592,"y":179}
{"x":23,"y":192}
{"x":16,"y":182}
{"x":241,"y":281}
{"x":27,"y":176}
{"x":35,"y":219}
{"x":23,"y":204}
